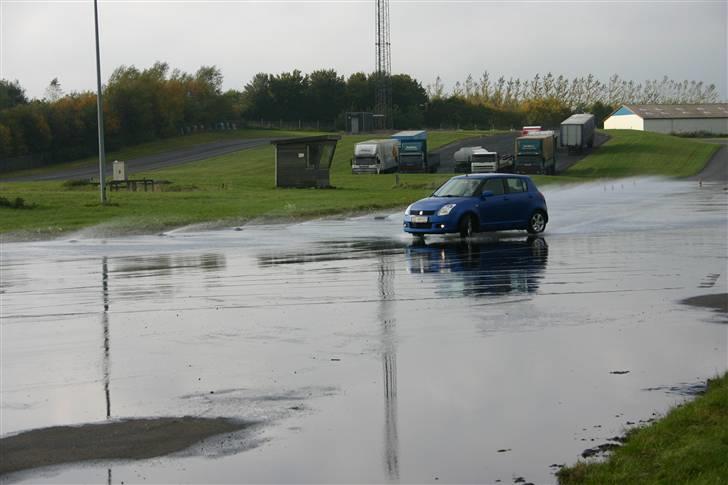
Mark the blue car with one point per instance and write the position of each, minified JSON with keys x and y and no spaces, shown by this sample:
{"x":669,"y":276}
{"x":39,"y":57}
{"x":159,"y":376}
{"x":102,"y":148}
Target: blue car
{"x":484,"y":202}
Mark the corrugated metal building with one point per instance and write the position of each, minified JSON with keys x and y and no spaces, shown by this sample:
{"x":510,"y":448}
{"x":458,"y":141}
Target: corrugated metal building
{"x":671,"y":118}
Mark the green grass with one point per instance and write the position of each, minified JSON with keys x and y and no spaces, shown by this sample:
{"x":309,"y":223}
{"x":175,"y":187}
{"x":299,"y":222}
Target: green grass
{"x":629,"y":153}
{"x":161,"y":146}
{"x":239,"y":186}
{"x":688,"y":446}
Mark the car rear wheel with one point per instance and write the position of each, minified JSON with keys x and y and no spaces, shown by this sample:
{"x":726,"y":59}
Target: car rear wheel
{"x":467,"y":225}
{"x":537,"y":222}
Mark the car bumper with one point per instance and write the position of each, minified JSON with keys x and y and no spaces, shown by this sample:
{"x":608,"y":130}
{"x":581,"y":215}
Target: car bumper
{"x":435,"y":225}
{"x":359,"y":169}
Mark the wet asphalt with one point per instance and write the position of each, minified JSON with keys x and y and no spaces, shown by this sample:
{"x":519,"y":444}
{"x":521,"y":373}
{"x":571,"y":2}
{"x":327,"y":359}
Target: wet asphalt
{"x":363,"y":356}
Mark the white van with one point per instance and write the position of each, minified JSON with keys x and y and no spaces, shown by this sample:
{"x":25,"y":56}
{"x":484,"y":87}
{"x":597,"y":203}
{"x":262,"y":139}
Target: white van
{"x":375,"y":156}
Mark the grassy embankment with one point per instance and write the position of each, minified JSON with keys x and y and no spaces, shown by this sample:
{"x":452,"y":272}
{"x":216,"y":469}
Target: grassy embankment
{"x":157,"y":146}
{"x":689,"y":445}
{"x":632,"y":153}
{"x":239,"y":186}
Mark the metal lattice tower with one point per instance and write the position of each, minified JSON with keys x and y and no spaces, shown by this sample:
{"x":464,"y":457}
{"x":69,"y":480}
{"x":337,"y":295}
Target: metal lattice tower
{"x":383,"y":96}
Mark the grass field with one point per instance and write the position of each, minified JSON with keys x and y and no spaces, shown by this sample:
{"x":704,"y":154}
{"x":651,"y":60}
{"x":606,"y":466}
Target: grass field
{"x":689,"y":445}
{"x":240,"y":186}
{"x":161,"y":146}
{"x":629,"y":153}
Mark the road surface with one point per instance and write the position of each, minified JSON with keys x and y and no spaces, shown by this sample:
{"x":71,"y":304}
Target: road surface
{"x":717,"y":167}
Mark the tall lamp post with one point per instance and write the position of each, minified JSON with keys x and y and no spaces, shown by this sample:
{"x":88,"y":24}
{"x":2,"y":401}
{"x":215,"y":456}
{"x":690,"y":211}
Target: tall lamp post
{"x":100,"y":111}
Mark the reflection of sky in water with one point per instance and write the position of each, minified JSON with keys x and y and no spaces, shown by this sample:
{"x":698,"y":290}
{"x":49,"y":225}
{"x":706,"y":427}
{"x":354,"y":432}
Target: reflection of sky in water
{"x":364,"y":355}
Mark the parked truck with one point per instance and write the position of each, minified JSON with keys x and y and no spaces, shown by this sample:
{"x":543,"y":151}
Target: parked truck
{"x":577,"y":132}
{"x":530,"y":129}
{"x":375,"y":156}
{"x":536,"y":153}
{"x":483,"y":161}
{"x":413,"y":152}
{"x":463,"y":158}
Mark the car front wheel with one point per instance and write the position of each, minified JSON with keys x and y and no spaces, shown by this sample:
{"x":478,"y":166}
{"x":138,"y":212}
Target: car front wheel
{"x":467,"y":225}
{"x":537,"y":222}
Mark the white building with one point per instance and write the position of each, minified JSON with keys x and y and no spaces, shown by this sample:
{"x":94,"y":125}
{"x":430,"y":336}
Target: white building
{"x":671,"y":118}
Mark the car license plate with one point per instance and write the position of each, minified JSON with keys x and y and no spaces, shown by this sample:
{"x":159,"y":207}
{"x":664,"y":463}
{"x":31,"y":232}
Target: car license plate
{"x":419,"y":219}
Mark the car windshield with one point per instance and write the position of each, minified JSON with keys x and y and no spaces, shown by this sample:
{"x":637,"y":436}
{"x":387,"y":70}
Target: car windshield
{"x":459,"y":187}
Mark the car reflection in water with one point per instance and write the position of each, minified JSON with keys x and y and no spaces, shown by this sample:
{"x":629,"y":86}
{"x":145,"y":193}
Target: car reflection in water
{"x":494,"y":266}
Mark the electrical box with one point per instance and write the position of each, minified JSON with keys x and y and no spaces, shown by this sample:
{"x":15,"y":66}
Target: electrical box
{"x":119,"y":170}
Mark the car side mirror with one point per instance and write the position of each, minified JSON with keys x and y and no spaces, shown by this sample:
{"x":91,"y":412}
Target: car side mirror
{"x":486,"y":193}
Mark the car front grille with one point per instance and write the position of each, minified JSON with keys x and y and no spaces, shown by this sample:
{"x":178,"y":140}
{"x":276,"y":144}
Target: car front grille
{"x":421,"y":225}
{"x":415,"y":212}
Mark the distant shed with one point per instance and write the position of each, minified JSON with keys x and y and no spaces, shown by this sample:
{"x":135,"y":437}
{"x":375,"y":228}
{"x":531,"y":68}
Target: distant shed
{"x":304,"y":162}
{"x":671,"y":118}
{"x":359,"y":122}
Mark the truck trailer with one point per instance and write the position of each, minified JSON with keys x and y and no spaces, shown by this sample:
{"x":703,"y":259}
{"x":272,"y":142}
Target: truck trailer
{"x":375,"y":156}
{"x":413,"y":152}
{"x":536,"y":153}
{"x":577,"y":132}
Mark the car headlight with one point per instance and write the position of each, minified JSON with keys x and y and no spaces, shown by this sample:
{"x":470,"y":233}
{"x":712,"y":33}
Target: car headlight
{"x":407,"y":210}
{"x":445,"y":209}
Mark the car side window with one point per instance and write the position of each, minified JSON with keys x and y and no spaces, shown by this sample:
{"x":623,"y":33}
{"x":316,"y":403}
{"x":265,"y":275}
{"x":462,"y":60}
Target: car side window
{"x":516,"y":185}
{"x":493,"y":185}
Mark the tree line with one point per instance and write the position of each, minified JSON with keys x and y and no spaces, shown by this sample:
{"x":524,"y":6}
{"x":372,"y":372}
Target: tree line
{"x":575,"y":93}
{"x":157,"y":102}
{"x":139,"y":106}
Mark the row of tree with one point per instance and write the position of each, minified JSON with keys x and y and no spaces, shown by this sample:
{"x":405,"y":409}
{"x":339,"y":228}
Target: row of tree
{"x":142,"y":105}
{"x":574,"y":93}
{"x":322,"y":95}
{"x":139,"y":106}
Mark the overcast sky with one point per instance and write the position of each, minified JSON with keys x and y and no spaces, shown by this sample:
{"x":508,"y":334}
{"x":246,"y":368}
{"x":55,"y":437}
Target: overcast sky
{"x":40,"y":40}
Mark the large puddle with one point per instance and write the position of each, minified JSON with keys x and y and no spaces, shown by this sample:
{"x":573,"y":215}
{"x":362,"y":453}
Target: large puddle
{"x":363,"y":356}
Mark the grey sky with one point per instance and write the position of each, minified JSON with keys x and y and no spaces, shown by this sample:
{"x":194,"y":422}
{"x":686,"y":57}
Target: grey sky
{"x":637,"y":40}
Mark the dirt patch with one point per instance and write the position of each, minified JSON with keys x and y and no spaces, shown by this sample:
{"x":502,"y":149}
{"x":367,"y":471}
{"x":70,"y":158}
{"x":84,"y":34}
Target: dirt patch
{"x":132,"y":439}
{"x":715,"y":301}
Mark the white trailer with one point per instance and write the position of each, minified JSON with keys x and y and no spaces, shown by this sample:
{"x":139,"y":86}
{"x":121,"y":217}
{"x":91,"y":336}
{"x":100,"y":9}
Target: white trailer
{"x":375,"y":156}
{"x":483,"y":161}
{"x":577,"y":132}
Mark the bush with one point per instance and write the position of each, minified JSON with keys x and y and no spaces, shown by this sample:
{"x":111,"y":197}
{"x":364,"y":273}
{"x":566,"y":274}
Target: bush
{"x":700,"y":134}
{"x":18,"y":203}
{"x":73,"y":184}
